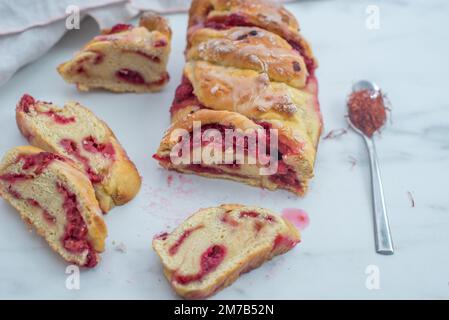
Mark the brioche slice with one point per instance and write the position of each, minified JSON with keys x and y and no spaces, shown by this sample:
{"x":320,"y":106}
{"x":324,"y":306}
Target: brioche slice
{"x":75,"y":132}
{"x":209,"y":250}
{"x":57,"y":199}
{"x":124,"y":58}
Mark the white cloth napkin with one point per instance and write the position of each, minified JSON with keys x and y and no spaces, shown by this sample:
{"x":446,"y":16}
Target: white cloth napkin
{"x":29,"y":28}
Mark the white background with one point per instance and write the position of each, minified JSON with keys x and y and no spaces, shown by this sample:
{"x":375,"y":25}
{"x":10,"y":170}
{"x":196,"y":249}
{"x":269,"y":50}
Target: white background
{"x":407,"y":56}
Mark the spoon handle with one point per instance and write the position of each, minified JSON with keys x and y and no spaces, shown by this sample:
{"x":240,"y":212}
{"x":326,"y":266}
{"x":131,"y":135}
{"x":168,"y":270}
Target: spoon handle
{"x":382,"y":234}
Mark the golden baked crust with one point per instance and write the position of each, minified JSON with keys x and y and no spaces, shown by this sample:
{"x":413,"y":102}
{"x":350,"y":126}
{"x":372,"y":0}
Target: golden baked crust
{"x":214,"y":246}
{"x":270,"y":14}
{"x":249,"y":48}
{"x":155,"y":22}
{"x":248,"y":58}
{"x":114,"y":176}
{"x":40,"y":185}
{"x":123,"y":58}
{"x":259,"y":13}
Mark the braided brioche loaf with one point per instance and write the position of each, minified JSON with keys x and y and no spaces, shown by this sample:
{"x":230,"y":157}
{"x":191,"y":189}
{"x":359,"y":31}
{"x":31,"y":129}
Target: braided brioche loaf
{"x":248,"y":67}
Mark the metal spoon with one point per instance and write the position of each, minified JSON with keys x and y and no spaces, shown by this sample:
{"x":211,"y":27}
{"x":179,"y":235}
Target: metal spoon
{"x":382,"y":234}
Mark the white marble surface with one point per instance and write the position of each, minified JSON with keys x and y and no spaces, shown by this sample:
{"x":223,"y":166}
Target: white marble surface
{"x":407,"y":56}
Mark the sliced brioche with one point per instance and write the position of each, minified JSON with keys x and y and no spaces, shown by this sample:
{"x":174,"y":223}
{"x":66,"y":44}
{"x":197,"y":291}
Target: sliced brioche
{"x":57,"y":199}
{"x":124,"y":58}
{"x":209,"y":250}
{"x":75,"y":132}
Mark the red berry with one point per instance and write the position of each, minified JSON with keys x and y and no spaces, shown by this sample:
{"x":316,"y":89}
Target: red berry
{"x":25,"y":102}
{"x":130,"y":76}
{"x":120,"y":27}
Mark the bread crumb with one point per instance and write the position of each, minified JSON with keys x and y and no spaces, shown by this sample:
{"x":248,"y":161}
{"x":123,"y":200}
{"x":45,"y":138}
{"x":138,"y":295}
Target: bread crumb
{"x":120,"y":247}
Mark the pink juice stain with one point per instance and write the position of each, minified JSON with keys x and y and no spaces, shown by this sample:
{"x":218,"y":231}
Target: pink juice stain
{"x":298,"y":217}
{"x":169,"y":180}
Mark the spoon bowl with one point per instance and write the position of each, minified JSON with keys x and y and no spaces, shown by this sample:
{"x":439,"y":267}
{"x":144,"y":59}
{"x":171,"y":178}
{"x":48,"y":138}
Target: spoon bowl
{"x":365,"y":85}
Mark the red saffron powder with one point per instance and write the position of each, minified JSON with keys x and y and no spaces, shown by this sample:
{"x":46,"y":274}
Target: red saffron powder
{"x":366,"y":112}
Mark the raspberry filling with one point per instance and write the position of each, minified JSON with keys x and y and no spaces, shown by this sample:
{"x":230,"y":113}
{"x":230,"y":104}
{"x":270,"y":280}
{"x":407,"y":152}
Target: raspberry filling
{"x":14,"y":193}
{"x":164,"y":160}
{"x":27,"y":101}
{"x":162,"y":236}
{"x":99,"y":57}
{"x":160,"y":43}
{"x":120,"y":27}
{"x":204,"y":169}
{"x":209,"y":261}
{"x":91,"y":144}
{"x":38,"y":161}
{"x":148,"y":56}
{"x":175,"y":247}
{"x":15,"y":177}
{"x":237,"y":20}
{"x":229,"y":21}
{"x":47,"y":215}
{"x":226,"y":218}
{"x":285,"y":175}
{"x":57,"y":117}
{"x":222,"y":130}
{"x":74,"y":239}
{"x":135,"y":77}
{"x":184,"y":96}
{"x":258,"y":224}
{"x":32,"y":202}
{"x":251,"y":214}
{"x":72,"y":149}
{"x":284,"y":242}
{"x":254,"y":214}
{"x":80,"y":69}
{"x":193,"y":144}
{"x":130,"y":76}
